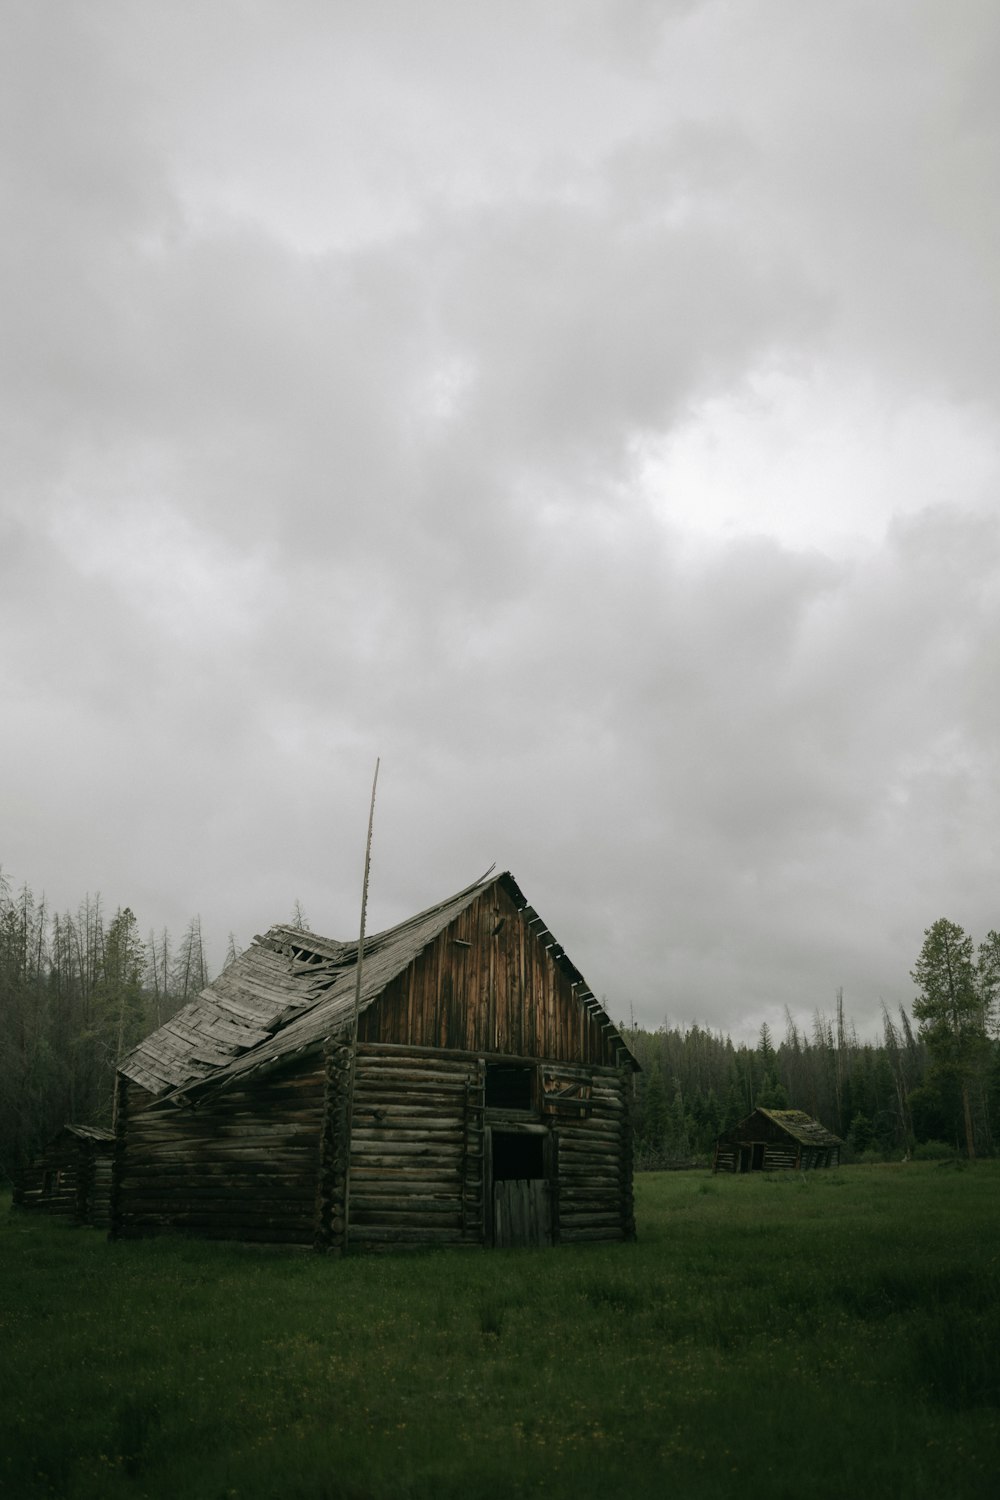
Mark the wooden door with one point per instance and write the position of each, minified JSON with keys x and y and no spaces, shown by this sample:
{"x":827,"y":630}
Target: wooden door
{"x":522,"y":1213}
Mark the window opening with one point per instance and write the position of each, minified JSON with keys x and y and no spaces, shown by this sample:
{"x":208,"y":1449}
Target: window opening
{"x":509,"y":1086}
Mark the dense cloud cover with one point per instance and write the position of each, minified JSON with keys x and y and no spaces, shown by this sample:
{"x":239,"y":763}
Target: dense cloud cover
{"x":589,"y":408}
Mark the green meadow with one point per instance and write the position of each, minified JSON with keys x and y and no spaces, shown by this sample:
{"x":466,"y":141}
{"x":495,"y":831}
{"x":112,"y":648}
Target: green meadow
{"x":776,"y":1335}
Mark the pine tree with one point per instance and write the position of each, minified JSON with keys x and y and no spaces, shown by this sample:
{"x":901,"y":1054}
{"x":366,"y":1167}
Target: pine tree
{"x":118,"y":997}
{"x":950,"y":1011}
{"x":190,"y":972}
{"x":861,"y":1134}
{"x":678,"y":1126}
{"x":988,"y":983}
{"x":655,"y":1113}
{"x":772,"y":1094}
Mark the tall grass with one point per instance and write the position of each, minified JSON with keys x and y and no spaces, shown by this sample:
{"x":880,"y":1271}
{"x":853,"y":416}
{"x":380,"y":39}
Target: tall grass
{"x":779,"y":1336}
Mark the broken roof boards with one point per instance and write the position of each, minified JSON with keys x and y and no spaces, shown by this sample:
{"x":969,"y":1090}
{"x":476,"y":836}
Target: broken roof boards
{"x":486,"y":1100}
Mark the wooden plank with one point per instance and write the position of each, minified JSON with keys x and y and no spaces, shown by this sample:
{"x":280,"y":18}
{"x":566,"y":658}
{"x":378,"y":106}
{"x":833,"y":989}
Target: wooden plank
{"x":422,"y":1235}
{"x":435,"y":1163}
{"x":387,"y":1182}
{"x":298,"y":1169}
{"x":443,"y":1133}
{"x":413,"y":1107}
{"x":205,"y":1212}
{"x":412,"y":1200}
{"x":435,"y":1217}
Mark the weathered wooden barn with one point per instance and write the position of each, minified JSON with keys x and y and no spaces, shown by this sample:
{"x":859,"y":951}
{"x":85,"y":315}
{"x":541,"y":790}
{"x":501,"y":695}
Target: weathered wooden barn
{"x":771,"y":1139}
{"x":485,"y":1101}
{"x":71,"y":1175}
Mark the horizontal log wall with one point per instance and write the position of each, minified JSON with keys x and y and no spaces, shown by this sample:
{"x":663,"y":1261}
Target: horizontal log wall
{"x":779,"y":1156}
{"x":270,"y":1163}
{"x":416,"y":1160}
{"x":594,"y":1177}
{"x":417,"y":1168}
{"x":98,"y":1205}
{"x":72,"y":1178}
{"x":53,"y":1182}
{"x":243,"y":1165}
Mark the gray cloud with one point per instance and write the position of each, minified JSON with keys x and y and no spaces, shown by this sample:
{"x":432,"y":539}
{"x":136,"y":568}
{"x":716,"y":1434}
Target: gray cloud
{"x":335,"y":347}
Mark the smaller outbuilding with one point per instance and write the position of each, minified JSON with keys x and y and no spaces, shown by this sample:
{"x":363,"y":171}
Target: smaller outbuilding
{"x":770,"y":1140}
{"x":71,"y":1176}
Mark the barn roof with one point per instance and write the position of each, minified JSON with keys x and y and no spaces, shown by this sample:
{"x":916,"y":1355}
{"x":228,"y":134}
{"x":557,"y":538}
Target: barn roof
{"x":95,"y":1133}
{"x":90,"y":1135}
{"x":292,"y":990}
{"x":794,"y":1122}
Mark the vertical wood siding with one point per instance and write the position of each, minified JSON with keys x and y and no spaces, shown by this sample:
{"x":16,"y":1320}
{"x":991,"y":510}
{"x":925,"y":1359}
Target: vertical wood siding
{"x":522,"y":1213}
{"x":488,"y":984}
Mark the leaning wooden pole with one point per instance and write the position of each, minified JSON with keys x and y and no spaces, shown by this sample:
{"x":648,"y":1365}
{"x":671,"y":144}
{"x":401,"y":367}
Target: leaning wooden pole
{"x":354,"y":1020}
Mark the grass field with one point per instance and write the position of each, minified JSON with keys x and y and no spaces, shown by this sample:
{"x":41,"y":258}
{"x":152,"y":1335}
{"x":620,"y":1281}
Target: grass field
{"x":775,"y":1336}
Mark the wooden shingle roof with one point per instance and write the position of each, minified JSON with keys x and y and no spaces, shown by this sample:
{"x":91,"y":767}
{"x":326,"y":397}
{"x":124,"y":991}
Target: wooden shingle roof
{"x":291,"y":991}
{"x":95,"y":1133}
{"x":800,"y":1126}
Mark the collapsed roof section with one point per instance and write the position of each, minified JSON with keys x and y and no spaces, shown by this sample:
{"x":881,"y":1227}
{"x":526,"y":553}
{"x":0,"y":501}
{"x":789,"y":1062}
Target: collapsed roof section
{"x":292,"y":991}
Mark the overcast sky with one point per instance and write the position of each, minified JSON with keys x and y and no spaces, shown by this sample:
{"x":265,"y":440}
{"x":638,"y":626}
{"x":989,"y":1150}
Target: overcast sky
{"x":590,"y":408}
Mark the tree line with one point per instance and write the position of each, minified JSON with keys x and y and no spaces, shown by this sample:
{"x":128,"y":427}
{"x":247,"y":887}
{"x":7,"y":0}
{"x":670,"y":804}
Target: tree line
{"x":79,"y":990}
{"x":929,"y":1083}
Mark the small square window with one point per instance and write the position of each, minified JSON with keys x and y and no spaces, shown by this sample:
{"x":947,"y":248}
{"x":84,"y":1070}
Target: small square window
{"x":509,"y":1086}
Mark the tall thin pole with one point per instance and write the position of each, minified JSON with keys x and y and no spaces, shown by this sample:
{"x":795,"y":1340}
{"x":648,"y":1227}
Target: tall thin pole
{"x":357,"y":1013}
{"x":364,"y":902}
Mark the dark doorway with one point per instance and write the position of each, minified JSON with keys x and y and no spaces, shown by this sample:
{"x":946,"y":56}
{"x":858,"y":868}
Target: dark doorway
{"x":521,"y":1202}
{"x":516,"y":1155}
{"x":757,"y":1165}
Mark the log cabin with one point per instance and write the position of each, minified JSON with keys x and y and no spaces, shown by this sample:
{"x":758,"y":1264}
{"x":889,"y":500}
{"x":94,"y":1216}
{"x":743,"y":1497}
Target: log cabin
{"x":70,"y":1176}
{"x":474,"y":1093}
{"x":774,"y":1139}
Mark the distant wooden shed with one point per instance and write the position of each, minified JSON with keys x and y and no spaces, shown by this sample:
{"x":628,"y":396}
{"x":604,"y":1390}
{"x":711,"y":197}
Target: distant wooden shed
{"x":771,"y":1139}
{"x":71,"y":1175}
{"x":485,"y":1100}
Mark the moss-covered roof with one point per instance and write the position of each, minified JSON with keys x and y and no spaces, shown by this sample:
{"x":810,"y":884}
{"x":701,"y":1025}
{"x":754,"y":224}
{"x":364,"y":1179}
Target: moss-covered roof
{"x":792,"y":1122}
{"x":803,"y":1127}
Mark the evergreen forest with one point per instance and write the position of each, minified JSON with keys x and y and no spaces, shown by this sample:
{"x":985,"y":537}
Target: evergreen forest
{"x":79,"y":990}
